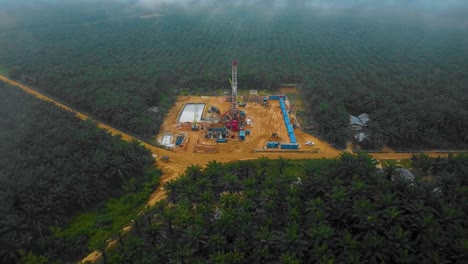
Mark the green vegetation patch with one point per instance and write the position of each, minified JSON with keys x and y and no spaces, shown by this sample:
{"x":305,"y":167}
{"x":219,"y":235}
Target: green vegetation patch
{"x":107,"y":221}
{"x":4,"y":70}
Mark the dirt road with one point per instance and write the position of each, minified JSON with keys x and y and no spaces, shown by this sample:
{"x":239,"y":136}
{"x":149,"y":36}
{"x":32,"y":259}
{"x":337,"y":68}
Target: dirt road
{"x":265,"y":121}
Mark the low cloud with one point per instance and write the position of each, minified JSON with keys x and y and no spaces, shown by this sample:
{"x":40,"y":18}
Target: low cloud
{"x":426,"y":5}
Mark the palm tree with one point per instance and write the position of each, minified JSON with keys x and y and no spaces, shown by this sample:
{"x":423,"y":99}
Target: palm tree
{"x":348,"y":165}
{"x":410,"y":130}
{"x":194,"y":172}
{"x":231,"y":182}
{"x":291,"y":240}
{"x":263,"y":243}
{"x":216,"y":243}
{"x":390,"y":169}
{"x":195,"y":236}
{"x":376,"y":250}
{"x":12,"y":231}
{"x":282,"y":164}
{"x":119,"y":168}
{"x":213,"y":171}
{"x":35,"y":219}
{"x":243,"y":169}
{"x":172,"y":188}
{"x":168,"y":216}
{"x":289,"y":257}
{"x":183,"y":253}
{"x":263,"y":165}
{"x":376,"y":133}
{"x":422,"y":162}
{"x":147,"y":212}
{"x":82,"y":195}
{"x":346,"y":244}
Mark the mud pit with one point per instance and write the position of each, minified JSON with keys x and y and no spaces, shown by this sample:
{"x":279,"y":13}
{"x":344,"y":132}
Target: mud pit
{"x":190,"y":112}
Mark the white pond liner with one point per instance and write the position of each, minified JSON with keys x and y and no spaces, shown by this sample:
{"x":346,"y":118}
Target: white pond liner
{"x":188,"y":113}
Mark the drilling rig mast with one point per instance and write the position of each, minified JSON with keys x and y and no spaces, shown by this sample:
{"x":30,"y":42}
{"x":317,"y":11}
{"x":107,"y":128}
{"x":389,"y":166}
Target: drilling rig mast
{"x":234,"y":86}
{"x":233,"y":117}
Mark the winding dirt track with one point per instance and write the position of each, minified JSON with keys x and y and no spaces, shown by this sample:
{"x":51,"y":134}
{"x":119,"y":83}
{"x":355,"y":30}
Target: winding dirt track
{"x":180,"y":160}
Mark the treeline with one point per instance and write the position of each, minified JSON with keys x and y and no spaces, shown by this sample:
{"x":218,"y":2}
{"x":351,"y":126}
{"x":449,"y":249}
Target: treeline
{"x":53,"y":167}
{"x":340,"y":210}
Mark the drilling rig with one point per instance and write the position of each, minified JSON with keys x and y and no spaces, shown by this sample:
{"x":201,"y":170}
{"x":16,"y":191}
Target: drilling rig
{"x":230,"y":118}
{"x":234,"y":110}
{"x":234,"y":118}
{"x":234,"y":85}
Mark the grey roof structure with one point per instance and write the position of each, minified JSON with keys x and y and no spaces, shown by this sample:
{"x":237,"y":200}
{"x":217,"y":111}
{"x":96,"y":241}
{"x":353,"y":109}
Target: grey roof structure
{"x":360,"y":120}
{"x":154,"y":109}
{"x":364,"y":118}
{"x":360,"y":136}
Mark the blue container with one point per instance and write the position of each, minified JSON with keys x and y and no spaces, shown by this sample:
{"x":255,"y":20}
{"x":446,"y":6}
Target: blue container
{"x":217,"y":129}
{"x":221,"y":140}
{"x":242,"y":135}
{"x":289,"y":146}
{"x":272,"y":144}
{"x":292,"y":138}
{"x":247,"y":132}
{"x":179,"y":140}
{"x":274,"y":97}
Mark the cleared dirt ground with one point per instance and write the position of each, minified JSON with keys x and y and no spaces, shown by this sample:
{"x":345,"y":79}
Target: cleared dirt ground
{"x":265,"y":121}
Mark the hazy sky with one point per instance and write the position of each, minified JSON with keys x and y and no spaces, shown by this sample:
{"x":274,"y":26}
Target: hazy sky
{"x":326,"y":4}
{"x":424,"y":5}
{"x":452,"y":13}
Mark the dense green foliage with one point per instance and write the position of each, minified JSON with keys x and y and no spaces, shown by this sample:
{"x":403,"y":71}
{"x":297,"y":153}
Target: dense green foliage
{"x":54,"y":166}
{"x":403,"y":114}
{"x":312,"y":211}
{"x":410,"y":74}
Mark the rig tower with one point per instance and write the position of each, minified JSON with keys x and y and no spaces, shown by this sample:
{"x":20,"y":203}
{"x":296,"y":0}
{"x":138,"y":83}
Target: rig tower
{"x":233,"y":118}
{"x":234,"y":86}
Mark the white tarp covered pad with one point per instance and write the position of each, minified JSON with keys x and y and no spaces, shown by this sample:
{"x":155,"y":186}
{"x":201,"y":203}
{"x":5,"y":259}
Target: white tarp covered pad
{"x":188,"y":113}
